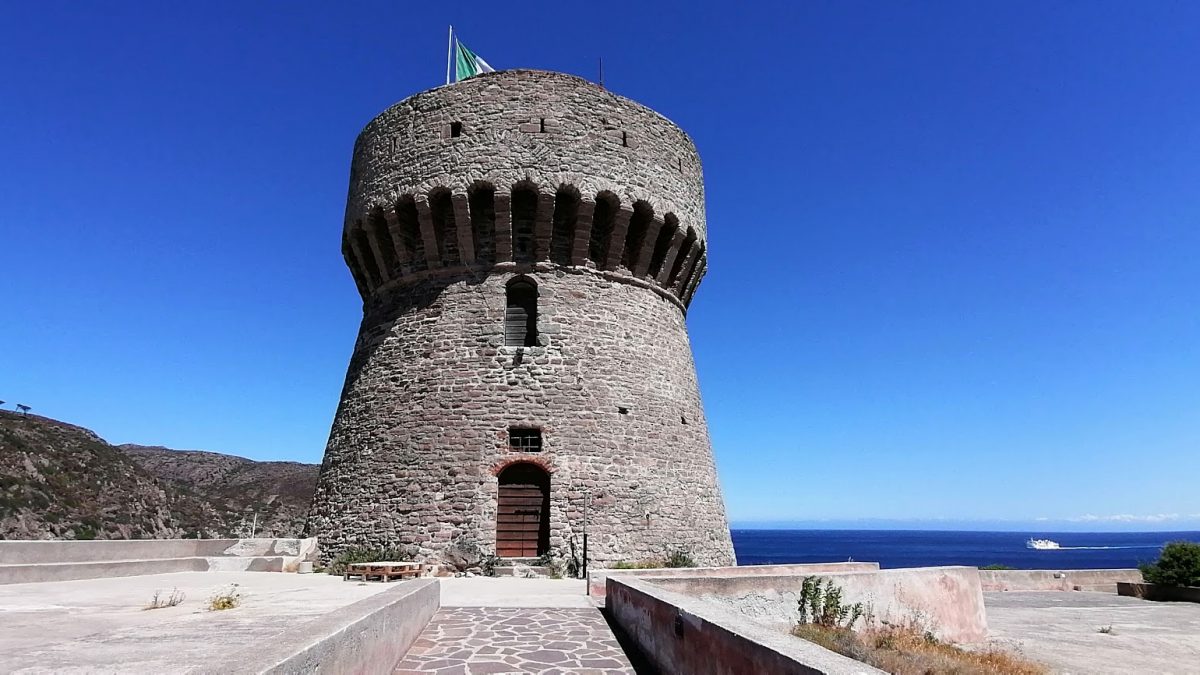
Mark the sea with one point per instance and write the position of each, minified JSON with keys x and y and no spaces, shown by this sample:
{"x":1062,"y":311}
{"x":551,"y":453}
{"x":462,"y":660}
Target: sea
{"x":924,"y":548}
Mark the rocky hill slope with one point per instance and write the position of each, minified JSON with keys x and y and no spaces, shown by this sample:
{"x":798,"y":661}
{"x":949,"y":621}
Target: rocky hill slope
{"x":58,"y":480}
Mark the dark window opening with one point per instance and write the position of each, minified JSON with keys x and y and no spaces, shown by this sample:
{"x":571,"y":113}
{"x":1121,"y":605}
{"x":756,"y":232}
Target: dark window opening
{"x":603,"y":216}
{"x":542,"y":124}
{"x":383,"y":239}
{"x":524,"y":215}
{"x":481,"y":200}
{"x":455,"y":129}
{"x":684,"y":250}
{"x":525,"y":440}
{"x":639,"y":222}
{"x":624,"y":139}
{"x":410,"y":231}
{"x":520,"y":314}
{"x":622,"y":410}
{"x":368,"y":256}
{"x":662,"y":245}
{"x":445,"y":229}
{"x":566,"y":214}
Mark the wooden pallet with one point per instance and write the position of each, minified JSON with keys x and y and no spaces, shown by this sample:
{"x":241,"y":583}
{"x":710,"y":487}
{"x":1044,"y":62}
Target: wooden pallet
{"x":383,"y":571}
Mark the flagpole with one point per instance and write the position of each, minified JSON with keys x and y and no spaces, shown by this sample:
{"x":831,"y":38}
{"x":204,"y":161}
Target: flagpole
{"x":449,"y":51}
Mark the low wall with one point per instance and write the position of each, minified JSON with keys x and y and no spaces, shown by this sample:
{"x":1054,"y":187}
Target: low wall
{"x":1159,"y":593}
{"x":24,"y":561}
{"x":687,"y":636}
{"x":14,"y":552}
{"x":948,"y":601}
{"x":1056,"y":580}
{"x":597,"y":578}
{"x":367,"y":637}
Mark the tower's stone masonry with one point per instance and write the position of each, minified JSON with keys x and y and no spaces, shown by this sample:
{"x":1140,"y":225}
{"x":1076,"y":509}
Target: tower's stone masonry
{"x":596,"y":200}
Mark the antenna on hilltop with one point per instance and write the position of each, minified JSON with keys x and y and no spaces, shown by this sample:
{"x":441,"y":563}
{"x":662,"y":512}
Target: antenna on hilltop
{"x":601,"y":71}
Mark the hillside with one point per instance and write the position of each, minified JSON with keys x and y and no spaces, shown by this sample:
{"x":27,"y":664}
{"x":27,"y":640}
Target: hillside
{"x":235,"y":488}
{"x":58,"y":480}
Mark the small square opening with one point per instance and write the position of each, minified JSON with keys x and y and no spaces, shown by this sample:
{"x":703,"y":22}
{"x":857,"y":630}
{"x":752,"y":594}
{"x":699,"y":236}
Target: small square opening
{"x":521,"y":439}
{"x":455,"y":129}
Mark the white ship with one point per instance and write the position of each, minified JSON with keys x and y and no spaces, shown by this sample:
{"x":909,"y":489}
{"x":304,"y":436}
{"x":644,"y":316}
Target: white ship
{"x":1042,"y":544}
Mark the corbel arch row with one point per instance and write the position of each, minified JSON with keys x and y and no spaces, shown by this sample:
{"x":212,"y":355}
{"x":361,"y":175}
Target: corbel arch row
{"x":524,"y":222}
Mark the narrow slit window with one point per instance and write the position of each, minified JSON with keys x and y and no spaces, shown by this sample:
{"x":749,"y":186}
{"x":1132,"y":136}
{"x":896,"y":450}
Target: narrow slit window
{"x":520,"y":314}
{"x":524,"y":440}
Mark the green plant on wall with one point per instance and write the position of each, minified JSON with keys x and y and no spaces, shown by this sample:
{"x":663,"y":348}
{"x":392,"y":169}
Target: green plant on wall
{"x":821,"y":603}
{"x":679,"y":557}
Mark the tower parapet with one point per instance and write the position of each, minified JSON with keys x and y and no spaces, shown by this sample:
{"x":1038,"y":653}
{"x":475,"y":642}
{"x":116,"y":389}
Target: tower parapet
{"x":526,"y":245}
{"x":525,"y":167}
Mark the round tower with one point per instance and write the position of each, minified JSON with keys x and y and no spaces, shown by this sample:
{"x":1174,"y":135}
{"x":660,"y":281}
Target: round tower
{"x":526,"y":244}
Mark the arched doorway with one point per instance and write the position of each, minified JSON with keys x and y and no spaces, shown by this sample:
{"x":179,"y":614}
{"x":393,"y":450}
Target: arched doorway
{"x":523,"y":512}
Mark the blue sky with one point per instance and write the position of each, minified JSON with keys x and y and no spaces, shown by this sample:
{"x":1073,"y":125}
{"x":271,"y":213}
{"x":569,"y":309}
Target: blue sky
{"x":953,"y":246}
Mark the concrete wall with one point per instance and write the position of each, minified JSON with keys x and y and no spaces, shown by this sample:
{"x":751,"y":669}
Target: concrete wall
{"x":946,"y":600}
{"x":1056,"y":580}
{"x":62,"y":551}
{"x":40,"y":561}
{"x":1159,"y":593}
{"x":367,"y":637}
{"x":685,"y":635}
{"x":597,"y":579}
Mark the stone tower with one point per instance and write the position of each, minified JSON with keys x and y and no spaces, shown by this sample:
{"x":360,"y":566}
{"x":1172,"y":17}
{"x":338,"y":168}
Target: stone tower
{"x":526,"y":244}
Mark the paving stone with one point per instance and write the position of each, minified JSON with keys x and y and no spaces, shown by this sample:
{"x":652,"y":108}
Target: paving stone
{"x":547,"y":641}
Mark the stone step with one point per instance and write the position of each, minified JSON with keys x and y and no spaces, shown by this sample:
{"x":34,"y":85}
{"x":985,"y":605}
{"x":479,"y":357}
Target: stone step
{"x":519,"y":570}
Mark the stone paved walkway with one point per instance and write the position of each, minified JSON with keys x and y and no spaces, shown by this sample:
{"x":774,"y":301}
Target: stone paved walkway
{"x":510,"y":640}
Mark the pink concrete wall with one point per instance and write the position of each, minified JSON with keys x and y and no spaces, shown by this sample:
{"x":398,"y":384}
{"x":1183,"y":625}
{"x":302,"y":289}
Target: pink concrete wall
{"x":682,"y":635}
{"x":1057,"y":580}
{"x":948,"y":601}
{"x":597,"y":578}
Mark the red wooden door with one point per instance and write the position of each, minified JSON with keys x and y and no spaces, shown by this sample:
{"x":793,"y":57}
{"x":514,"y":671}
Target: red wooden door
{"x":522,"y":522}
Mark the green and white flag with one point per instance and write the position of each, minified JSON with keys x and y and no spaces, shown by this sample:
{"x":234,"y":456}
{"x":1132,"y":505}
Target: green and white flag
{"x":468,"y":64}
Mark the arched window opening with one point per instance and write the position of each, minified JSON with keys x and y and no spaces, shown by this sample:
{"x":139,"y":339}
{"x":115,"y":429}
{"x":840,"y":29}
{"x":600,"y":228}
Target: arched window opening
{"x":523,"y":511}
{"x":639,"y":222}
{"x":445,"y":230}
{"x":410,"y":231}
{"x":566,"y":215}
{"x":524,"y":215}
{"x":603,"y":218}
{"x":520,"y":313}
{"x":366,"y":254}
{"x":481,"y":200}
{"x":688,"y":272}
{"x":662,"y":245}
{"x":685,"y":251}
{"x":383,"y":239}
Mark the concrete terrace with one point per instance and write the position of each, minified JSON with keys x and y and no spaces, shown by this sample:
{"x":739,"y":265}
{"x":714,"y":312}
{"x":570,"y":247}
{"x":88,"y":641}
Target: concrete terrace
{"x":485,"y":625}
{"x":471,"y":626}
{"x":1062,"y":630}
{"x":101,"y":626}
